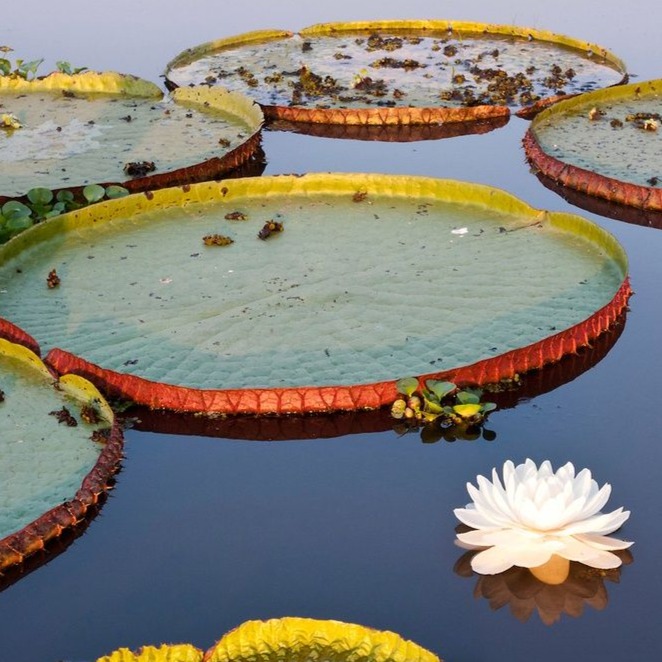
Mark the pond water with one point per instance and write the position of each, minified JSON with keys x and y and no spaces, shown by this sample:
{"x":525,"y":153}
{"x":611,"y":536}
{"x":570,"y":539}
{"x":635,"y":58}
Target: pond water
{"x":203,"y":532}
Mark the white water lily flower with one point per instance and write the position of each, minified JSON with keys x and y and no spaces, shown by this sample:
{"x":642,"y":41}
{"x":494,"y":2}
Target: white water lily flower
{"x":536,"y":514}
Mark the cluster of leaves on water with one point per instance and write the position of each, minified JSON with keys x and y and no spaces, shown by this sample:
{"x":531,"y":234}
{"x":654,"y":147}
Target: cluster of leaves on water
{"x":42,"y":203}
{"x":19,"y":68}
{"x":441,"y":410}
{"x":27,"y":70}
{"x":65,"y":67}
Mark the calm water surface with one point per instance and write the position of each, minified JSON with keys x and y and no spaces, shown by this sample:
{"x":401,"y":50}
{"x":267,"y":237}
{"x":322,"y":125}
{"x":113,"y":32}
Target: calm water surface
{"x":202,"y":533}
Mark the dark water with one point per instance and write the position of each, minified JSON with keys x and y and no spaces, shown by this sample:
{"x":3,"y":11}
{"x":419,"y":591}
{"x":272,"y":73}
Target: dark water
{"x":202,"y":533}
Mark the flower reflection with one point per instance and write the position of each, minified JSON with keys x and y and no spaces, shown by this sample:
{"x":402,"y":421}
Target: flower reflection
{"x":525,"y":594}
{"x":541,"y":520}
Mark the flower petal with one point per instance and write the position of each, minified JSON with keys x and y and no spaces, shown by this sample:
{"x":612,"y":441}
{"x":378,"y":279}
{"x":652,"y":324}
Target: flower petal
{"x":498,"y":537}
{"x":492,"y":499}
{"x":603,"y":542}
{"x":601,"y":524}
{"x":492,"y":561}
{"x":576,"y":550}
{"x":471,"y":517}
{"x":499,"y":558}
{"x":597,"y":501}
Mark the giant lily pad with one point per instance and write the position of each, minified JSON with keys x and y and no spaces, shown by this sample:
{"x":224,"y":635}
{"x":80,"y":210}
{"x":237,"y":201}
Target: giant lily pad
{"x":302,"y":639}
{"x":607,"y":144}
{"x":398,"y":72}
{"x":292,"y":639}
{"x":59,"y":448}
{"x":372,"y":278}
{"x":92,"y":128}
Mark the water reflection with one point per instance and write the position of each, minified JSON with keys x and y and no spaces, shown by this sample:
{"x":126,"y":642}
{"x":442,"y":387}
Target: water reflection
{"x":391,"y":132}
{"x":53,"y":548}
{"x":612,"y":210}
{"x":525,"y":594}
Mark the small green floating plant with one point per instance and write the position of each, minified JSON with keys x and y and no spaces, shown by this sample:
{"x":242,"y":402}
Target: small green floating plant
{"x":28,"y":70}
{"x":19,"y":68}
{"x":441,"y":410}
{"x":42,"y":203}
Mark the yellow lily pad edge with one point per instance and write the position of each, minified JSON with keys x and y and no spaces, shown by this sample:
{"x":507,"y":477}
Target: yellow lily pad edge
{"x":292,"y":639}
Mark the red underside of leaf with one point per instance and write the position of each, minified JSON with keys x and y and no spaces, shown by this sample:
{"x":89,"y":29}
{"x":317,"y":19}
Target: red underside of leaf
{"x":384,"y":116}
{"x":11,"y":332}
{"x":319,"y":399}
{"x":589,"y":182}
{"x":214,"y":168}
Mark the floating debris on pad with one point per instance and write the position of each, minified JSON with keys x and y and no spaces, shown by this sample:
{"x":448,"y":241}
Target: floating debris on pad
{"x":52,"y":280}
{"x":217,"y":240}
{"x":139,"y":168}
{"x":64,"y":416}
{"x":269,"y":228}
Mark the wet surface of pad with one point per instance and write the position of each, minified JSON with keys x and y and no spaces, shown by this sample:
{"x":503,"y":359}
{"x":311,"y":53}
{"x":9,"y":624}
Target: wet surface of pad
{"x":370,"y":279}
{"x":390,"y":65}
{"x":80,"y":138}
{"x":44,"y":461}
{"x":622,"y":141}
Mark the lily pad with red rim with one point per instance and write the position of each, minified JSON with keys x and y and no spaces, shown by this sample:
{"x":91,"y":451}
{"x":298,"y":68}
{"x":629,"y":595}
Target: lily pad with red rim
{"x":94,"y":128}
{"x":337,"y":424}
{"x":370,"y":278}
{"x":60,"y":446}
{"x":398,"y":71}
{"x":606,"y":144}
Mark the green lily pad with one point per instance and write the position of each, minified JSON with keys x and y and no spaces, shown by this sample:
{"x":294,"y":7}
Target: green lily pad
{"x":607,"y":144}
{"x":397,"y":72}
{"x":74,"y":136}
{"x":143,"y":297}
{"x":58,"y":449}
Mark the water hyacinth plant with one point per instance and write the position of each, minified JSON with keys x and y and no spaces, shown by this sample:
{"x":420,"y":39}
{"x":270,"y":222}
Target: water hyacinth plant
{"x":20,"y":68}
{"x":42,"y":203}
{"x":441,"y":410}
{"x":540,"y":519}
